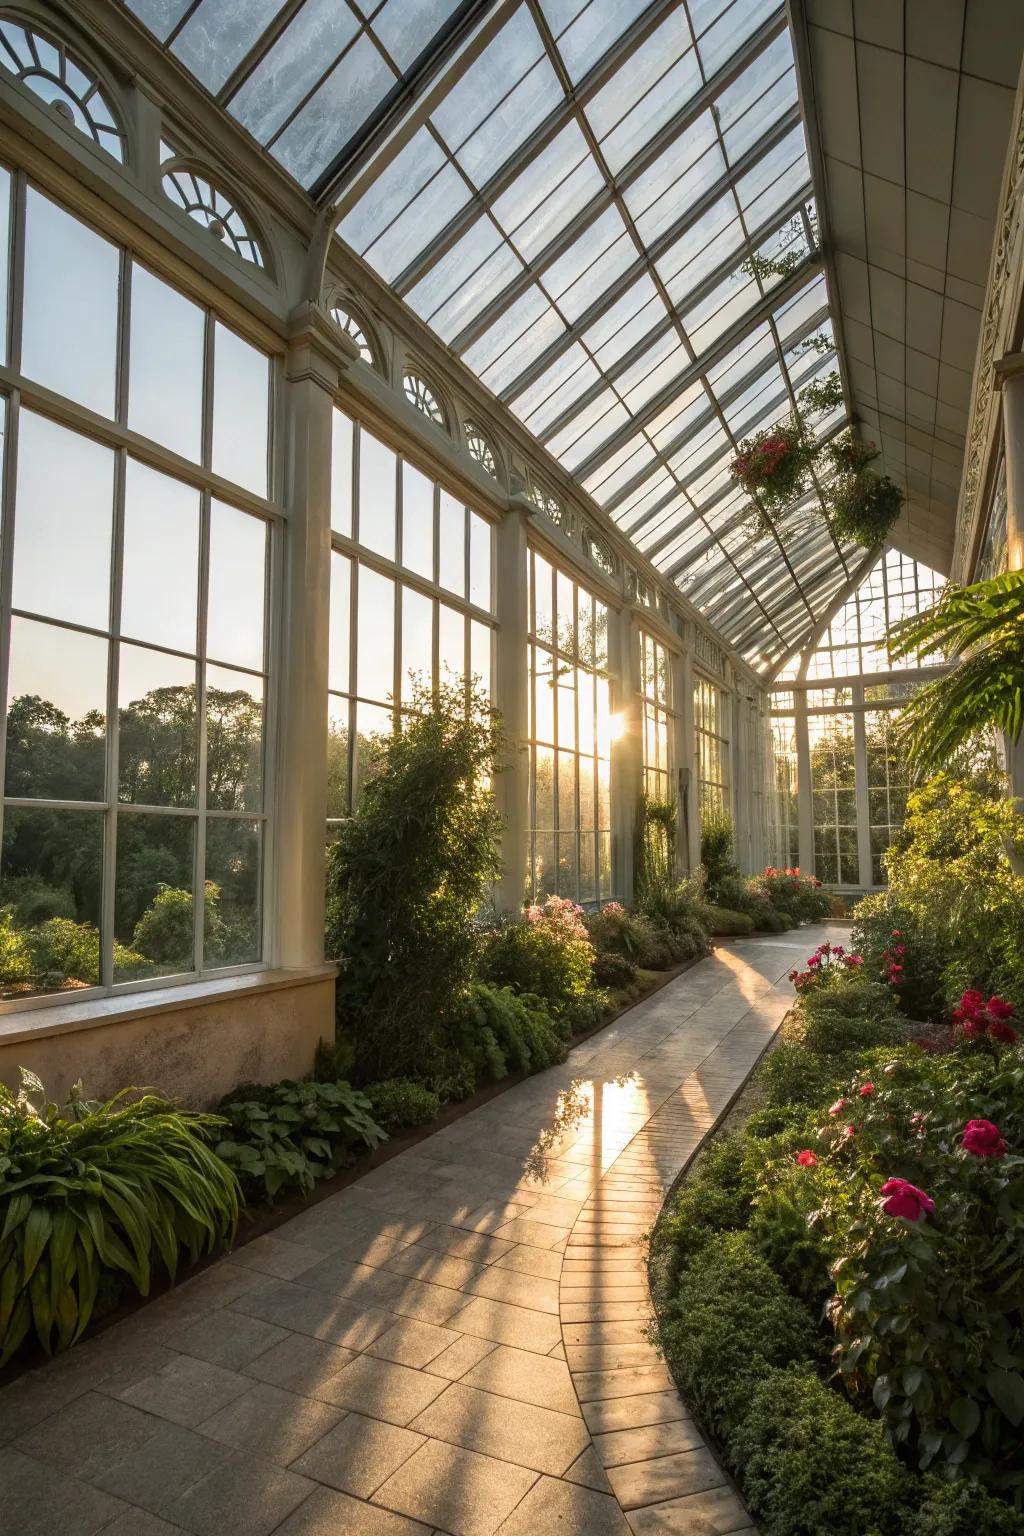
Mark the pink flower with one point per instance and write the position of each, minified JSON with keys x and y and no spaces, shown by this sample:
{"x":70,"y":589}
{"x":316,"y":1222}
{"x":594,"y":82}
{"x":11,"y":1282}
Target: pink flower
{"x":849,"y":1132}
{"x":905,"y":1200}
{"x":837,"y":1107}
{"x":855,"y":959}
{"x":983,"y":1139}
{"x":866,"y":1090}
{"x":815,"y":959}
{"x":807,"y":1159}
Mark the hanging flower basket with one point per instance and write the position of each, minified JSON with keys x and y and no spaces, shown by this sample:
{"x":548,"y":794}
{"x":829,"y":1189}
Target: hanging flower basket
{"x":772,"y":467}
{"x":863,"y":507}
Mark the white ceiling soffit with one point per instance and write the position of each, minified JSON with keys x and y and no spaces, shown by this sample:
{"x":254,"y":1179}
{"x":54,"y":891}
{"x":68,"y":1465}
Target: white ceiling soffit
{"x":913,"y":101}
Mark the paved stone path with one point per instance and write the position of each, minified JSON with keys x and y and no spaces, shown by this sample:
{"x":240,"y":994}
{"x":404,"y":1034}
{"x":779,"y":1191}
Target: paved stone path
{"x":454,"y":1344}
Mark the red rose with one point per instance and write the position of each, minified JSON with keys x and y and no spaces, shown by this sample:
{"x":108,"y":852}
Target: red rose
{"x":1003,"y":1032}
{"x":905,"y":1200}
{"x":807,"y":1159}
{"x":999,"y":1008}
{"x":866,"y":1090}
{"x":983,"y":1139}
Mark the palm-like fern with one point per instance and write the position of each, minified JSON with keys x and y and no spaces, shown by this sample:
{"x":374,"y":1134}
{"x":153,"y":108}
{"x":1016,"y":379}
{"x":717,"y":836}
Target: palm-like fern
{"x":981,"y":629}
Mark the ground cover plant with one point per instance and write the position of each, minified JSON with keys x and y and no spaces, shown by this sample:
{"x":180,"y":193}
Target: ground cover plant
{"x":839,"y":1281}
{"x":95,"y":1193}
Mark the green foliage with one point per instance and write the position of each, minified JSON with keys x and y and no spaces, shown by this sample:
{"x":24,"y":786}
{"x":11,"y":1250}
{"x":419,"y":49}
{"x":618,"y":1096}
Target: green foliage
{"x":675,"y":916}
{"x":851,"y":1013}
{"x":289,"y":1135}
{"x":822,"y":395}
{"x":612,"y":970}
{"x":398,"y":1102}
{"x":717,"y":851}
{"x":15,"y":954}
{"x":497,"y":1030}
{"x":655,"y":844}
{"x":730,"y":1321}
{"x":333,"y":1060}
{"x":723,"y":923}
{"x":798,"y":897}
{"x":964,"y":1509}
{"x":405,"y":878}
{"x":713,"y":1198}
{"x":981,"y":629}
{"x":92,"y":1190}
{"x":547,"y":953}
{"x":950,"y":872}
{"x":165,"y":933}
{"x":862,"y":507}
{"x":877,"y":918}
{"x":813,"y":1465}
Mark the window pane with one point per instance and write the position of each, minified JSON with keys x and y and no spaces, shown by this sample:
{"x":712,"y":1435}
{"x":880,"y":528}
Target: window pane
{"x":337,"y":756}
{"x":373,"y":727}
{"x":543,"y":607}
{"x":5,"y":258}
{"x":56,"y":717}
{"x":231,"y":917}
{"x":452,"y":545}
{"x":238,"y":578}
{"x":241,"y":405}
{"x":157,"y":728}
{"x":479,"y":561}
{"x":377,"y":473}
{"x":375,"y":666}
{"x":153,"y":886}
{"x":69,"y":327}
{"x":165,"y":371}
{"x":62,"y":562}
{"x":480,"y":653}
{"x":51,"y":877}
{"x":341,"y":474}
{"x":341,"y":624}
{"x":544,"y":793}
{"x":451,"y":645}
{"x":160,"y":580}
{"x":417,"y":640}
{"x":417,"y":522}
{"x":234,"y":740}
{"x":544,"y":698}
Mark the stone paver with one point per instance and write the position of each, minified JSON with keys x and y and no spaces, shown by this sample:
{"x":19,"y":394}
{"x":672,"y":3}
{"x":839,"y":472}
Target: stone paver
{"x":456,"y":1345}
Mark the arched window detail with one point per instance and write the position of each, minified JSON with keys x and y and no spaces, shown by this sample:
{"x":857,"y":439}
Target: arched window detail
{"x":481,"y":450}
{"x":71,"y":90}
{"x":419,"y":393}
{"x":196,"y":195}
{"x":354,"y":330}
{"x":548,"y":504}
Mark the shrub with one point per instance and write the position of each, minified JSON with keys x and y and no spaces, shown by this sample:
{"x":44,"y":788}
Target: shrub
{"x":964,"y":1509}
{"x":614,"y":931}
{"x":94,"y":1190}
{"x":793,"y":1075}
{"x":712,"y":1198}
{"x":165,"y":934}
{"x":723,"y":923}
{"x":15,"y":954}
{"x":730,"y":1321}
{"x":799,"y":897}
{"x":496,"y":1030}
{"x":615,"y":971}
{"x":812,"y":1464}
{"x":674,"y":916}
{"x":717,"y":841}
{"x":289,"y":1135}
{"x":882,"y":920}
{"x":548,"y":953}
{"x":398,"y":1102}
{"x":405,"y":878}
{"x":851,"y":1013}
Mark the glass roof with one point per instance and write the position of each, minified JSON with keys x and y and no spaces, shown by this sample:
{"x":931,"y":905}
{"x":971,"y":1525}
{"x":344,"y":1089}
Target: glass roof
{"x":606,"y":210}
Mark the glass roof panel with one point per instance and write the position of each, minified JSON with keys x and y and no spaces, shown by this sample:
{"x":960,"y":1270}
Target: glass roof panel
{"x":605,"y":209}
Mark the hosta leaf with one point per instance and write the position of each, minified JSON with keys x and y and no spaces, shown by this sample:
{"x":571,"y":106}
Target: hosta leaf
{"x":1007,"y":1392}
{"x":965,"y":1416}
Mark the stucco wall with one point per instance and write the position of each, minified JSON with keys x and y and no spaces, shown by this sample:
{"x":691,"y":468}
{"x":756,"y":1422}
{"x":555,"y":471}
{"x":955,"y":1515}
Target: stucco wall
{"x":193,"y":1049}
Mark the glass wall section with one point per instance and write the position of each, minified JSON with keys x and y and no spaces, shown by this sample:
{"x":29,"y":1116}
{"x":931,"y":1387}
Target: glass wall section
{"x":571,"y":733}
{"x":135,"y":644}
{"x":888,"y":784}
{"x":411,"y":598}
{"x":834,"y":798}
{"x":854,"y":642}
{"x":656,"y":686}
{"x":709,"y":706}
{"x":784,"y":763}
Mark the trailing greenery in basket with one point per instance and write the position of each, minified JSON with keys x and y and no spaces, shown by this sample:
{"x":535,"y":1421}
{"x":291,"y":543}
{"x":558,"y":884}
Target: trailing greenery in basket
{"x":862,"y":507}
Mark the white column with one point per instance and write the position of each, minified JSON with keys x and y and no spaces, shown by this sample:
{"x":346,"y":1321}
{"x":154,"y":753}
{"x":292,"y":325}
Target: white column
{"x":512,"y":786}
{"x":627,"y":752}
{"x":863,"y":799}
{"x":315,"y":359}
